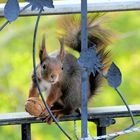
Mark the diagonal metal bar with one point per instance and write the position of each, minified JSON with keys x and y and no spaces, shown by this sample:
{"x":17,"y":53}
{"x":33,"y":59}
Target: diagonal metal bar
{"x":84,"y":73}
{"x":22,"y":9}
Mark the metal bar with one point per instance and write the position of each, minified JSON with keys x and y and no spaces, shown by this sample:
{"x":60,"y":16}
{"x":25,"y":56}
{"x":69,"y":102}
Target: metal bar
{"x":84,"y":116}
{"x":101,"y":131}
{"x":74,"y":6}
{"x":26,"y":131}
{"x":84,"y":41}
{"x":35,"y":73}
{"x":93,"y":113}
{"x":102,"y":124}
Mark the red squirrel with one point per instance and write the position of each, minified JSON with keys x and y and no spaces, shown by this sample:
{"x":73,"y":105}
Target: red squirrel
{"x":59,"y":75}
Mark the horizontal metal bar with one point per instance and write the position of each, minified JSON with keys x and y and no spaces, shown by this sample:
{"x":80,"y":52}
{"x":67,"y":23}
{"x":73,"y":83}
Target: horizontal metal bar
{"x":93,"y":114}
{"x":73,"y":6}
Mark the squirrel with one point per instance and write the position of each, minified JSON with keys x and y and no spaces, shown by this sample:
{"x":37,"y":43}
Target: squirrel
{"x":59,"y":74}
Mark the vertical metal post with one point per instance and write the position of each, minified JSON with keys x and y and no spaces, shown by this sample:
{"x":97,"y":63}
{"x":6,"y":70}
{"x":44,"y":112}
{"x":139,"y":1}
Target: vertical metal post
{"x":84,"y":41}
{"x":26,"y":131}
{"x":102,"y":124}
{"x":101,"y":131}
{"x":84,"y":104}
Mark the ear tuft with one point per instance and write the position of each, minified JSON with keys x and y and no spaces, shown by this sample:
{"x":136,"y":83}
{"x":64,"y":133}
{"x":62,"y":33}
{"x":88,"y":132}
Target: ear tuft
{"x":62,"y":52}
{"x":42,"y":52}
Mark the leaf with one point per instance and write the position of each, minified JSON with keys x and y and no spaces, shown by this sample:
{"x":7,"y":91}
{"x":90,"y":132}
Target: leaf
{"x":89,"y":60}
{"x":114,"y":76}
{"x":39,"y":4}
{"x":11,"y":10}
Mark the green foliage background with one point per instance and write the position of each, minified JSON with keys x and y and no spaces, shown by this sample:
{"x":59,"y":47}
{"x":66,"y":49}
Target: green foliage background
{"x":16,"y":69}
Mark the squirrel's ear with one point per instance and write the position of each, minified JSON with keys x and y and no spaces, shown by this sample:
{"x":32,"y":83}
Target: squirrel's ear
{"x":62,"y":52}
{"x":42,"y":51}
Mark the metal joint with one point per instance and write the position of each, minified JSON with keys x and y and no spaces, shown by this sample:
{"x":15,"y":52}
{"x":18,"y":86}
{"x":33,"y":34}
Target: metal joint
{"x":105,"y":122}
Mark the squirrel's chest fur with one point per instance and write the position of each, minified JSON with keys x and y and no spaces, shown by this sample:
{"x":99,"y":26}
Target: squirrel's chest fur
{"x":45,"y":86}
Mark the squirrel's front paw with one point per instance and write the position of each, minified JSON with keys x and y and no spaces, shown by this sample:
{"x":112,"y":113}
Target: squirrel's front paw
{"x":44,"y":114}
{"x":34,"y":106}
{"x":34,"y":79}
{"x":57,"y":114}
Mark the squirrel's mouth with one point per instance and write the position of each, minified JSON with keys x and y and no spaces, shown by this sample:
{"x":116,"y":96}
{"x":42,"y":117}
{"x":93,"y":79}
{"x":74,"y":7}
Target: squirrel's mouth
{"x":52,"y":81}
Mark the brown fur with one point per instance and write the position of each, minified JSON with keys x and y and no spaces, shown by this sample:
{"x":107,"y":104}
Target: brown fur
{"x":70,"y":27}
{"x":65,"y":92}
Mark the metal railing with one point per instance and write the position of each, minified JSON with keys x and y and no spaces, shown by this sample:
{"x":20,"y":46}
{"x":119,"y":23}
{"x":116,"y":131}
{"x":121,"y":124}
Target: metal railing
{"x":74,"y":6}
{"x":103,"y":117}
{"x":62,"y":7}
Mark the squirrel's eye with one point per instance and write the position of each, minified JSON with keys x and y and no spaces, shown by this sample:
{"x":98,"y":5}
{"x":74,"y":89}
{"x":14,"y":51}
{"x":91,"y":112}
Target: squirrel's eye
{"x":44,"y":66}
{"x":62,"y":68}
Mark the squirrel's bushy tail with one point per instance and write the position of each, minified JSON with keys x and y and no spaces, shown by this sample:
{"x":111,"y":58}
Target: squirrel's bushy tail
{"x":70,"y":27}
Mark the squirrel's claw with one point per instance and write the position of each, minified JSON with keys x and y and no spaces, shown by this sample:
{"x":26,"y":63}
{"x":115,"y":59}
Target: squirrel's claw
{"x":57,"y":114}
{"x":44,"y":114}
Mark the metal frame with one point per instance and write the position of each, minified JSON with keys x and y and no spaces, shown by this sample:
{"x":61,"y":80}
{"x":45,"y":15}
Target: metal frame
{"x":103,"y":117}
{"x":84,"y":74}
{"x":26,"y":131}
{"x":64,"y":7}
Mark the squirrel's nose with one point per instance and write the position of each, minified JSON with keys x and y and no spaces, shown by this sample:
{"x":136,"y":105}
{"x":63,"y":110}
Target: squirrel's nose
{"x":53,"y":77}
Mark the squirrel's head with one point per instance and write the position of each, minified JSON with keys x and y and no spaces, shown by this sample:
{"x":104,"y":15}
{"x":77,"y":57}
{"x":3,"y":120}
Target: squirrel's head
{"x":51,"y":66}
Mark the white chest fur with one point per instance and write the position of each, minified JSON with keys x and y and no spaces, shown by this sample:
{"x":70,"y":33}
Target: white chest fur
{"x":45,"y":86}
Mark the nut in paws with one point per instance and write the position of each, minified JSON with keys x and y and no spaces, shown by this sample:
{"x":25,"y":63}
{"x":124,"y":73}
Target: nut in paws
{"x":34,"y":106}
